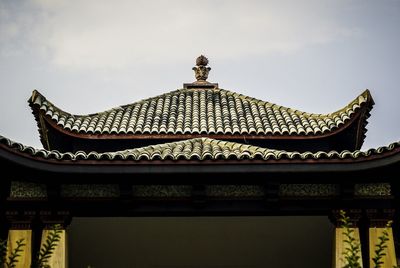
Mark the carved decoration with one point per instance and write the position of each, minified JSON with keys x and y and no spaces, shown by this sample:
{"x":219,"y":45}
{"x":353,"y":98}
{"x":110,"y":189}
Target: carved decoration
{"x":234,"y":191}
{"x":201,"y":69}
{"x":20,"y":220}
{"x":354,"y":215}
{"x":49,"y":218}
{"x":89,"y":190}
{"x":372,"y":189}
{"x":308,"y":190}
{"x":162,"y":191}
{"x":379,"y":217}
{"x":20,"y":189}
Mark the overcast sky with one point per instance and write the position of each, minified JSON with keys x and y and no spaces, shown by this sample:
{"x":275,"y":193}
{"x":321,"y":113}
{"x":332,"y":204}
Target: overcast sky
{"x":89,"y":56}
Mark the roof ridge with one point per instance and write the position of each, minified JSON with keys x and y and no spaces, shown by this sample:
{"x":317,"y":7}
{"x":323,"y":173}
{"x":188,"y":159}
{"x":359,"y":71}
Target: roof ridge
{"x":33,"y":100}
{"x":36,"y":94}
{"x":364,"y":97}
{"x":151,"y":98}
{"x":365,"y":94}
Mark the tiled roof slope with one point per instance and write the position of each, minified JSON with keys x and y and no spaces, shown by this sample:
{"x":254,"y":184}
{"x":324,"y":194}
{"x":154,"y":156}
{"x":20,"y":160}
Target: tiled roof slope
{"x":200,"y":111}
{"x":197,"y":149}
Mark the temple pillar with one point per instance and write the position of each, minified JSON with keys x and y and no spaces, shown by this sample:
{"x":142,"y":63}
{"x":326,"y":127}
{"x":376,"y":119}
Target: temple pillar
{"x":4,"y":193}
{"x":378,"y":228}
{"x":396,"y":236}
{"x":59,"y":258}
{"x":339,"y":242}
{"x":24,"y":260}
{"x":20,"y":232}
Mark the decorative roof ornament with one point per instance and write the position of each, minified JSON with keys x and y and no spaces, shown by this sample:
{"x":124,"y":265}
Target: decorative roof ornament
{"x":201,"y":69}
{"x":201,"y":60}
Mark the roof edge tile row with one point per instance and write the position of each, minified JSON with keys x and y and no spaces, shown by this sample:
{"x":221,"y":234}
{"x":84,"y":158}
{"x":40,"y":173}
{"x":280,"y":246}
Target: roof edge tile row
{"x":198,"y":149}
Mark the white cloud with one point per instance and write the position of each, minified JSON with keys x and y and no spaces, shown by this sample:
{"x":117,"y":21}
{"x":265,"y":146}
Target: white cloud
{"x":101,"y":34}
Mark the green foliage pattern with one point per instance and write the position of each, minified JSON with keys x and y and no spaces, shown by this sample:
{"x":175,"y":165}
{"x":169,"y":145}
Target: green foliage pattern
{"x":12,"y":260}
{"x":47,"y":250}
{"x":41,"y":260}
{"x":352,"y":250}
{"x":3,"y":252}
{"x":381,"y":246}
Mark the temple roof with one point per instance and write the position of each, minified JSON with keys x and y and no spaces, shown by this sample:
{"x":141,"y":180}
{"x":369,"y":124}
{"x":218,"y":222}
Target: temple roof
{"x":199,"y":149}
{"x":200,"y":111}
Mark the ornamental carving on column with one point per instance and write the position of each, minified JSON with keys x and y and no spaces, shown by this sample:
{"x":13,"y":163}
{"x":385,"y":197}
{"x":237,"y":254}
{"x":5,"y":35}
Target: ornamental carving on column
{"x":379,"y":217}
{"x":354,"y":215}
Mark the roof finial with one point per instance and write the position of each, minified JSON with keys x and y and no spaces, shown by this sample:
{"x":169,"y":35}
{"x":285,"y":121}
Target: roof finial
{"x":201,"y":69}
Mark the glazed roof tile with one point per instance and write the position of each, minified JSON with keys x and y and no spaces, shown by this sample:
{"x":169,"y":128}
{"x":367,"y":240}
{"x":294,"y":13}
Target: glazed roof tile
{"x":196,"y":149}
{"x":200,"y":111}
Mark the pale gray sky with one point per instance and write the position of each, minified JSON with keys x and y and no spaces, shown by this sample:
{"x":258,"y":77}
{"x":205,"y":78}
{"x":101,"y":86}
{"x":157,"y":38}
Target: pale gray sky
{"x":89,"y":56}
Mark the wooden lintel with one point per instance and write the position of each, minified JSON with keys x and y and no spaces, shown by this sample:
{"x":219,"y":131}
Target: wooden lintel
{"x":199,"y":195}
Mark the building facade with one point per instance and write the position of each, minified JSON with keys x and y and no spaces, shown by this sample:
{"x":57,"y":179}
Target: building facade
{"x":200,"y":151}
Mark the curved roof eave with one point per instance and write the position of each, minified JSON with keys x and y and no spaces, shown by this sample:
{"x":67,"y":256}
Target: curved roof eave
{"x":198,"y":156}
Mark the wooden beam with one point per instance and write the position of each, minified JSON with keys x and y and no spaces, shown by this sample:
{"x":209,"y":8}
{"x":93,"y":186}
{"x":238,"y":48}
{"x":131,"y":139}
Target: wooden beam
{"x":199,"y":195}
{"x":4,"y":193}
{"x":271,"y":189}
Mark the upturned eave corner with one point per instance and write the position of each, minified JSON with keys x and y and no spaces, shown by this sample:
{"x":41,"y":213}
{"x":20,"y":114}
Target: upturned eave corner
{"x":365,"y":113}
{"x":39,"y":118}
